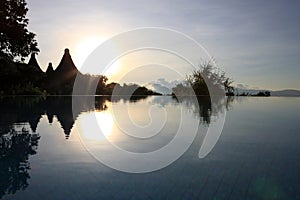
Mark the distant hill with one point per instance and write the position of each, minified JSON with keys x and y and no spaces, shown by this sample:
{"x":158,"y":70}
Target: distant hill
{"x":282,"y":93}
{"x":286,"y":93}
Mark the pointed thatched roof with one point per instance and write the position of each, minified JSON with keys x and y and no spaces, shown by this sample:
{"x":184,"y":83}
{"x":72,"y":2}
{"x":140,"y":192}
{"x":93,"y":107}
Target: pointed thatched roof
{"x":66,"y":68}
{"x":33,"y":62}
{"x":50,"y":69}
{"x":61,"y":80}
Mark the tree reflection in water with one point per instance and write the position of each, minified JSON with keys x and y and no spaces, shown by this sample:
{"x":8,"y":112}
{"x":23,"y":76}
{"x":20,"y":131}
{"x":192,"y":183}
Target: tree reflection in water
{"x":15,"y":148}
{"x":20,"y":117}
{"x":204,"y":108}
{"x":18,"y":138}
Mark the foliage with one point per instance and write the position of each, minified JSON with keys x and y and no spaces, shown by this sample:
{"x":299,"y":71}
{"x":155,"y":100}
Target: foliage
{"x":15,"y":39}
{"x":205,"y":77}
{"x":101,"y":86}
{"x":27,"y":89}
{"x":258,"y":94}
{"x":19,"y":78}
{"x":263,"y":94}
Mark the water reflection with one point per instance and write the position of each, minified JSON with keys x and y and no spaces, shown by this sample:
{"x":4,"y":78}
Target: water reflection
{"x":89,"y":130}
{"x":255,"y":158}
{"x":18,"y":140}
{"x":20,"y":117}
{"x":204,"y":108}
{"x":30,"y":109}
{"x":17,"y":143}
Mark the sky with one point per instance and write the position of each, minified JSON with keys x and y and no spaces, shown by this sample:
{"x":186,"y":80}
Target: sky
{"x":257,"y":43}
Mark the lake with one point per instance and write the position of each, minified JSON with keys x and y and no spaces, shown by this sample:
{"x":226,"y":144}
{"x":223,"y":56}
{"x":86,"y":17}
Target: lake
{"x":51,"y":150}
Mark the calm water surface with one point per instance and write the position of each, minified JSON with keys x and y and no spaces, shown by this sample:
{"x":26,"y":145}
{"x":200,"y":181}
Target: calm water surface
{"x":42,"y":155}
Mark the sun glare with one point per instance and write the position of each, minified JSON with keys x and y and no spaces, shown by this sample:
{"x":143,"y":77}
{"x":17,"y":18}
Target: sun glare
{"x":86,"y":47}
{"x":92,"y":131}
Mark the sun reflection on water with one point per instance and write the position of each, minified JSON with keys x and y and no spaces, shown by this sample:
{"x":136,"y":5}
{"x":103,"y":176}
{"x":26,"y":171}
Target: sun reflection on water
{"x":95,"y":131}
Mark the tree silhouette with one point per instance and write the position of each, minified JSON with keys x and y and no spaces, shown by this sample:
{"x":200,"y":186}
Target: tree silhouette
{"x":15,"y":39}
{"x":207,"y":76}
{"x":228,"y":88}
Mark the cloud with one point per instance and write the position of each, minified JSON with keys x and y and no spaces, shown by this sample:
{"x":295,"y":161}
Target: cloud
{"x":165,"y":83}
{"x":251,"y":39}
{"x":163,"y":86}
{"x":159,"y":88}
{"x":242,"y":86}
{"x":246,"y":87}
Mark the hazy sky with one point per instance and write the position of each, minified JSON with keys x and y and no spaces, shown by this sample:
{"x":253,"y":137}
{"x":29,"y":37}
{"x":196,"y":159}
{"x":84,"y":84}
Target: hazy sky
{"x":256,"y":42}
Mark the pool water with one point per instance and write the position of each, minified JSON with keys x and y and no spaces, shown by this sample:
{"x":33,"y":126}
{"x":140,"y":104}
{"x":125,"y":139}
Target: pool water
{"x":45,"y":149}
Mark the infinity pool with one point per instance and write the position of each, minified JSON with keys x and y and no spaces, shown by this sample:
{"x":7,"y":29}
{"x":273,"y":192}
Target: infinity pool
{"x":46,"y":148}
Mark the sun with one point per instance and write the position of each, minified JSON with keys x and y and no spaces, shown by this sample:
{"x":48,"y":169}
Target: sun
{"x":85,"y":47}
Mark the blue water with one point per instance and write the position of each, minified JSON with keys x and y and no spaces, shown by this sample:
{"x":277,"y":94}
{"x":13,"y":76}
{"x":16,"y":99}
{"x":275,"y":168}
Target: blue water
{"x":256,"y":156}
